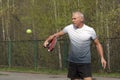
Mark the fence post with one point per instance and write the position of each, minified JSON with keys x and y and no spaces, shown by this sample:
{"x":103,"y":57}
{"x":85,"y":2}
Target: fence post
{"x":65,"y":52}
{"x":35,"y":54}
{"x":59,"y":55}
{"x":9,"y":53}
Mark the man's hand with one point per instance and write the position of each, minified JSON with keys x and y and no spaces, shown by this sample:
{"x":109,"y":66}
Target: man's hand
{"x":103,"y":61}
{"x":47,"y":40}
{"x":45,"y":43}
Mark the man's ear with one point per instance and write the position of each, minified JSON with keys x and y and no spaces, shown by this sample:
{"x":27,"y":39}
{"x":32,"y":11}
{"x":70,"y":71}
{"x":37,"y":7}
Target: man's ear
{"x":82,"y":19}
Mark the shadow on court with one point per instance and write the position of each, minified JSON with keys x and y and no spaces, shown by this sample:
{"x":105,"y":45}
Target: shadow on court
{"x":30,"y":76}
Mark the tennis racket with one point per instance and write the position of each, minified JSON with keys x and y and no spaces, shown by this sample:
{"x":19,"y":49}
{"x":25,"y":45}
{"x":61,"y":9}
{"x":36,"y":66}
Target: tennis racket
{"x":52,"y":44}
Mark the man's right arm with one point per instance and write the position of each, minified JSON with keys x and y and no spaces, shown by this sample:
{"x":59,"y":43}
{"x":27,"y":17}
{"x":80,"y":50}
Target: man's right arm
{"x":58,"y":34}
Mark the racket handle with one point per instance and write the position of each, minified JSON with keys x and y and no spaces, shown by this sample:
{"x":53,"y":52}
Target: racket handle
{"x":48,"y":50}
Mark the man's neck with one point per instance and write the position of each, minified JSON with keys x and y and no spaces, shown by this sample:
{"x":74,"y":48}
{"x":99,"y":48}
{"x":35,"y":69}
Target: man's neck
{"x":81,"y":25}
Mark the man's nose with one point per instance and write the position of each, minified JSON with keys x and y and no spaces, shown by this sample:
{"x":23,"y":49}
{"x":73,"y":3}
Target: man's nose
{"x":73,"y":20}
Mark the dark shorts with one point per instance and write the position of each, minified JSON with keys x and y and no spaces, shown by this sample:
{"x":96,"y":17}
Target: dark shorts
{"x":79,"y":70}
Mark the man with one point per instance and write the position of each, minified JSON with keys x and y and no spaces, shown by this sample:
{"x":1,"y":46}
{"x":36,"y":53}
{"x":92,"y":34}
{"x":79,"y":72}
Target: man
{"x":79,"y":58}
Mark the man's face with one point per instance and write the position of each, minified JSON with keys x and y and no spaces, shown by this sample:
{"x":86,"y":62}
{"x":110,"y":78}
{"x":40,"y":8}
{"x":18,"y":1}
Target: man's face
{"x":77,"y":20}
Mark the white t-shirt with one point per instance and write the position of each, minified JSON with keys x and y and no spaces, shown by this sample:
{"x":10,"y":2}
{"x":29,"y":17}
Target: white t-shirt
{"x":80,"y":40}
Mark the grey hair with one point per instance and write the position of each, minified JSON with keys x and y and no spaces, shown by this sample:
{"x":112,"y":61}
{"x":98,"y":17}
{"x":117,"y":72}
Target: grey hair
{"x":79,"y":13}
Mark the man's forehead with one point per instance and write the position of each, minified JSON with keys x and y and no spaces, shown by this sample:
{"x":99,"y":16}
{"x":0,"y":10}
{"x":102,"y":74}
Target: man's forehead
{"x":75,"y":15}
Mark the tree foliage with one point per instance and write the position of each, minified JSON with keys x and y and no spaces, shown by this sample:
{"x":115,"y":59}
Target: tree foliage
{"x":44,"y":17}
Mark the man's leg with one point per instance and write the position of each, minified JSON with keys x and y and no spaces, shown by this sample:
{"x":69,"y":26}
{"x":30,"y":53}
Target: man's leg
{"x":87,"y":78}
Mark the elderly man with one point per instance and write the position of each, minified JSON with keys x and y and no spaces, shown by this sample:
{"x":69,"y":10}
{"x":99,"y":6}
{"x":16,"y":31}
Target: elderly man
{"x":79,"y":57}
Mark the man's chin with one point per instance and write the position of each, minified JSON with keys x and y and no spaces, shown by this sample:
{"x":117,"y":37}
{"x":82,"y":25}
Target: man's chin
{"x":75,"y":25}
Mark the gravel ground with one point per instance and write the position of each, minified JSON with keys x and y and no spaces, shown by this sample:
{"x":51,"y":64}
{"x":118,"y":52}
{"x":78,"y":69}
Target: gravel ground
{"x":30,"y":76}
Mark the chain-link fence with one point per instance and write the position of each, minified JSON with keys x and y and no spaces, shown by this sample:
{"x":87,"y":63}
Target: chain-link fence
{"x":31,"y":54}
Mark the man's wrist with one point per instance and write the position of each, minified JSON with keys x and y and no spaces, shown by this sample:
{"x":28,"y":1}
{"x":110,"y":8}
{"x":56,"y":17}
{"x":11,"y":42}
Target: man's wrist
{"x":102,"y":57}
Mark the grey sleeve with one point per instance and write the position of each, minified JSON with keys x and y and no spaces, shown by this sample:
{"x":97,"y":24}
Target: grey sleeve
{"x":65,"y":30}
{"x":93,"y":36}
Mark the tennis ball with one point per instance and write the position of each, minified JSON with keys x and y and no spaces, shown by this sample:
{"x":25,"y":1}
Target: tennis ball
{"x":28,"y":31}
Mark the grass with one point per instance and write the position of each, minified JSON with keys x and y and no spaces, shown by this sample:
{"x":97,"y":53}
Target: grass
{"x":55,"y":72}
{"x":113,"y":75}
{"x":31,"y":70}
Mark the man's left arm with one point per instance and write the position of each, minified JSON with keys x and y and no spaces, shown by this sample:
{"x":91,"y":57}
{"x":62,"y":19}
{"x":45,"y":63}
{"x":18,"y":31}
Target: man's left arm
{"x":100,"y":51}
